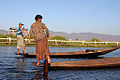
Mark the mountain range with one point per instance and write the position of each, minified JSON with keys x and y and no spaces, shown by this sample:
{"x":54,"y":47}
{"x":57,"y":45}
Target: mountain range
{"x":80,"y":36}
{"x":4,"y":32}
{"x":86,"y":36}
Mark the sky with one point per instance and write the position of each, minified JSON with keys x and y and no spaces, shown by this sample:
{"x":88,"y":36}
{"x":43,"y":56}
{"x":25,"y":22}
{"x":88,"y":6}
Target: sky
{"x":72,"y":16}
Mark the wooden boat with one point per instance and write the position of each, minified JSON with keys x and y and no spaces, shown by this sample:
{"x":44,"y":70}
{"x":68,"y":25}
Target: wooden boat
{"x":95,"y":63}
{"x":86,"y":53}
{"x":85,"y":64}
{"x":76,"y":54}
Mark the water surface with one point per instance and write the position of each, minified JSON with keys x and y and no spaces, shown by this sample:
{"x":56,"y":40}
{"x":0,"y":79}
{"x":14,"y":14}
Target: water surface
{"x":14,"y":67}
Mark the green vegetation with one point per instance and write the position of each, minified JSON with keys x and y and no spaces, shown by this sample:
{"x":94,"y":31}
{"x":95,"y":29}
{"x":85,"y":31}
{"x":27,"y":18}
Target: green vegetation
{"x":65,"y":45}
{"x":76,"y":39}
{"x":2,"y":36}
{"x":95,"y":39}
{"x":12,"y":36}
{"x":5,"y":36}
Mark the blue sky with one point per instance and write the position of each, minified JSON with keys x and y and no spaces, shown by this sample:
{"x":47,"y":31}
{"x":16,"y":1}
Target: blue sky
{"x":96,"y":16}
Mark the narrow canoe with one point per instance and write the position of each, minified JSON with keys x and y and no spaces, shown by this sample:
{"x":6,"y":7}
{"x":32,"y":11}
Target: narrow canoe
{"x":86,"y":64}
{"x":76,"y":54}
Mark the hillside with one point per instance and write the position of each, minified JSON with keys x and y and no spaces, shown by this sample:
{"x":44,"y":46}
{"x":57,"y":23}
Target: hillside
{"x":81,"y":36}
{"x":87,"y":36}
{"x":4,"y":32}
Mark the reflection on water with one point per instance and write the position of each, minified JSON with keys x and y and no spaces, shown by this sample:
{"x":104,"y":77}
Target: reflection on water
{"x":21,"y":63}
{"x":14,"y":67}
{"x":38,"y":76}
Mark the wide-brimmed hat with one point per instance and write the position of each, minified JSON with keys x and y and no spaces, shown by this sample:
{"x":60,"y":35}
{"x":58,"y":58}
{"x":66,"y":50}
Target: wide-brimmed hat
{"x":21,"y":23}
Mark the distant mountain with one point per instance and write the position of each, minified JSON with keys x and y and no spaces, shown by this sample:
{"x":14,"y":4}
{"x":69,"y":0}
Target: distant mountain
{"x":87,"y":36}
{"x":80,"y":36}
{"x":4,"y":32}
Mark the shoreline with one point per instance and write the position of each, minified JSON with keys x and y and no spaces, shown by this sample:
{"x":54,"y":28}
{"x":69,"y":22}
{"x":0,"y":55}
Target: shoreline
{"x":33,"y":45}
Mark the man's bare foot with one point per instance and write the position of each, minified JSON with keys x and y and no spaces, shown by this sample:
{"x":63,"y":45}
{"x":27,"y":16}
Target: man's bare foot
{"x":18,"y":53}
{"x":38,"y":64}
{"x":48,"y":59}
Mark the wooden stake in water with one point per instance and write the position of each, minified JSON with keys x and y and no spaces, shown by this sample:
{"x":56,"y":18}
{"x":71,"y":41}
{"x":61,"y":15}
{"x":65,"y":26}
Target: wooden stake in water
{"x":46,"y":68}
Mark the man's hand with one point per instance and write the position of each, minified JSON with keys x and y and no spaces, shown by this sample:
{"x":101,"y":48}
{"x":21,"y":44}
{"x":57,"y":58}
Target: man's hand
{"x":47,"y":35}
{"x":29,"y":41}
{"x":23,"y":28}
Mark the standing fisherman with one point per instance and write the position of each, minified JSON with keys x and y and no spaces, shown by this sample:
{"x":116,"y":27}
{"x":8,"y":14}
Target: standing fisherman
{"x":20,"y":38}
{"x":40,"y":33}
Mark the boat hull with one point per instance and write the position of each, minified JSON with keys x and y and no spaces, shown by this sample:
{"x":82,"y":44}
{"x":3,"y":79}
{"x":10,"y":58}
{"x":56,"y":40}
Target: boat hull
{"x":86,"y":64}
{"x":76,"y":54}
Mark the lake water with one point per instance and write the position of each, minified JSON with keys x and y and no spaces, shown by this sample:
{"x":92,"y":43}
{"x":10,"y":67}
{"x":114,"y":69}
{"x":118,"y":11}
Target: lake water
{"x":13,"y":67}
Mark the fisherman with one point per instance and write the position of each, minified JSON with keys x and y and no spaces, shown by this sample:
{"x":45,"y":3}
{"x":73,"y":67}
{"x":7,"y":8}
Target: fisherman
{"x":20,"y":38}
{"x":40,"y":33}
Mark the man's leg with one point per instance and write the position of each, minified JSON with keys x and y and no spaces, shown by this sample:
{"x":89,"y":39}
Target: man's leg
{"x":24,"y":50}
{"x":17,"y":50}
{"x":48,"y":59}
{"x":38,"y":63}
